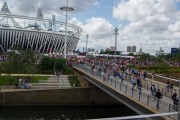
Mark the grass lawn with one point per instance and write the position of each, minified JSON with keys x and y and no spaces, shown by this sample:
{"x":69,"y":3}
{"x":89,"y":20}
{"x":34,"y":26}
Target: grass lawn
{"x":6,"y":80}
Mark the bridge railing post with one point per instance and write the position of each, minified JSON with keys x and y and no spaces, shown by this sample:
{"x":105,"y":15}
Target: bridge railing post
{"x":107,"y":79}
{"x":126,"y":76}
{"x":99,"y":75}
{"x":139,"y":95}
{"x":94,"y":73}
{"x":126,"y":90}
{"x":148,"y":100}
{"x":165,"y":91}
{"x":80,"y":66}
{"x":87,"y":69}
{"x":132,"y":91}
{"x":169,"y":108}
{"x":111,"y":81}
{"x":120,"y":85}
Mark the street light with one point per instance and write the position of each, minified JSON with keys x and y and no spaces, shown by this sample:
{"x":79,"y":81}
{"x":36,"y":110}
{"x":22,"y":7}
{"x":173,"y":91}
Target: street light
{"x":66,"y":8}
{"x":116,"y":33}
{"x":87,"y":37}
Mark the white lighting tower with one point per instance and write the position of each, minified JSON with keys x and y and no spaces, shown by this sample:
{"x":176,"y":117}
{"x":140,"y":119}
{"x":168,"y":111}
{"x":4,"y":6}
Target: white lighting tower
{"x":116,"y":33}
{"x":87,"y":37}
{"x":66,"y":9}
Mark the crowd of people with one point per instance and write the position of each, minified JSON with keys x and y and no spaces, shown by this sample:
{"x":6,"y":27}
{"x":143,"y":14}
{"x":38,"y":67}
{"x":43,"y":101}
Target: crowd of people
{"x":24,"y":84}
{"x":150,"y":63}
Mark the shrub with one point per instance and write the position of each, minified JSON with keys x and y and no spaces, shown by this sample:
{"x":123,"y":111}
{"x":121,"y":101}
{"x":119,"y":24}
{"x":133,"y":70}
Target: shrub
{"x":74,"y":80}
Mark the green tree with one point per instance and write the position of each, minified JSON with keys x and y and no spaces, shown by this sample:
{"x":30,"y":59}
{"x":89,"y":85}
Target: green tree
{"x":12,"y":64}
{"x":144,"y":57}
{"x":160,"y":55}
{"x":131,"y":54}
{"x":7,"y":66}
{"x":47,"y":64}
{"x":18,"y":62}
{"x":28,"y":60}
{"x":60,"y":64}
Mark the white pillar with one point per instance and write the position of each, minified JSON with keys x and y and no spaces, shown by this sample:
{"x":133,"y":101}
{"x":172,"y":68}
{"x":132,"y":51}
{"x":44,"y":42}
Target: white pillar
{"x":116,"y":33}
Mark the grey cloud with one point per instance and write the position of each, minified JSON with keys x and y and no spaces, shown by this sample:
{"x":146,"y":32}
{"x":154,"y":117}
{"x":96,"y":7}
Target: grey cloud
{"x":81,"y":4}
{"x":23,"y":6}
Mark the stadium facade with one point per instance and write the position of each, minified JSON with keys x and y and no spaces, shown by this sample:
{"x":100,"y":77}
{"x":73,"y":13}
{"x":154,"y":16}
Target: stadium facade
{"x":41,"y":35}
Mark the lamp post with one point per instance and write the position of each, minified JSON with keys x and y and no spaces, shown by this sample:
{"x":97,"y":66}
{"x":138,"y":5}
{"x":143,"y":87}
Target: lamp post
{"x":66,"y":8}
{"x":115,"y":33}
{"x":87,"y":37}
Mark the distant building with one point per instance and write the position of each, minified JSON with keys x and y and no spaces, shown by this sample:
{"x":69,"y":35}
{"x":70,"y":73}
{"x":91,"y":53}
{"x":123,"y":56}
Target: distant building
{"x":101,"y":50}
{"x":140,"y":51}
{"x":91,"y":50}
{"x":107,"y":49}
{"x":174,"y":50}
{"x":133,"y":48}
{"x":112,"y":48}
{"x":83,"y":49}
{"x":128,"y":48}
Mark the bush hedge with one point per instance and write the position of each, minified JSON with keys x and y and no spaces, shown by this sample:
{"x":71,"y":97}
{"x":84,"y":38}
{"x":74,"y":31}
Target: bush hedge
{"x":74,"y":81}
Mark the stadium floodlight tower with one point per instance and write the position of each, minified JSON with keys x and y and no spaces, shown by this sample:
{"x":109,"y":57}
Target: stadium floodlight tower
{"x":87,"y":37}
{"x":66,"y":9}
{"x":115,"y":33}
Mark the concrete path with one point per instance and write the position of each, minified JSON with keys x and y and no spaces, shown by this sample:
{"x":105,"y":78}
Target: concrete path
{"x":52,"y":82}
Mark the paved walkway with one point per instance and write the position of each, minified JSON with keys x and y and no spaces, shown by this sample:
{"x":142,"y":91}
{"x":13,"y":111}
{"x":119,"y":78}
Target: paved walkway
{"x":52,"y":83}
{"x":27,"y":75}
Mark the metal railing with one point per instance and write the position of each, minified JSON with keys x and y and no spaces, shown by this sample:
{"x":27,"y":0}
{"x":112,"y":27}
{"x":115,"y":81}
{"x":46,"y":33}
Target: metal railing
{"x":147,"y":83}
{"x":125,"y":87}
{"x":137,"y":116}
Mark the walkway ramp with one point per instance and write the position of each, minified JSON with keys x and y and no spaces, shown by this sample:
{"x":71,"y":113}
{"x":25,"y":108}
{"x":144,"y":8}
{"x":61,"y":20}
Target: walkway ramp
{"x":52,"y":82}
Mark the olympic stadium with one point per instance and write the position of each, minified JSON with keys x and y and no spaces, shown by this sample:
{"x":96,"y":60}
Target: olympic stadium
{"x":36,"y":33}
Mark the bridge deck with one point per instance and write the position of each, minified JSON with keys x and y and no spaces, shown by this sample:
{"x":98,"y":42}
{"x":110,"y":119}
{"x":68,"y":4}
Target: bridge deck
{"x":142,"y":97}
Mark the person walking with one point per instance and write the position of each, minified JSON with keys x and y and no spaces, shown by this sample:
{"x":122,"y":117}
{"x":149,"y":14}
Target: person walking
{"x":153,"y":89}
{"x":133,"y":81}
{"x":144,"y":75}
{"x":57,"y":74}
{"x":175,"y":101}
{"x":158,"y":96}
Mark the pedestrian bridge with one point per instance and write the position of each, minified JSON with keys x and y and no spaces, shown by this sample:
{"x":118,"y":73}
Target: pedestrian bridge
{"x":141,"y":102}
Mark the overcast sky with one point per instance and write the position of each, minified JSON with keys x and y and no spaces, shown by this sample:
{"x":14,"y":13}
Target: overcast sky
{"x":148,"y":24}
